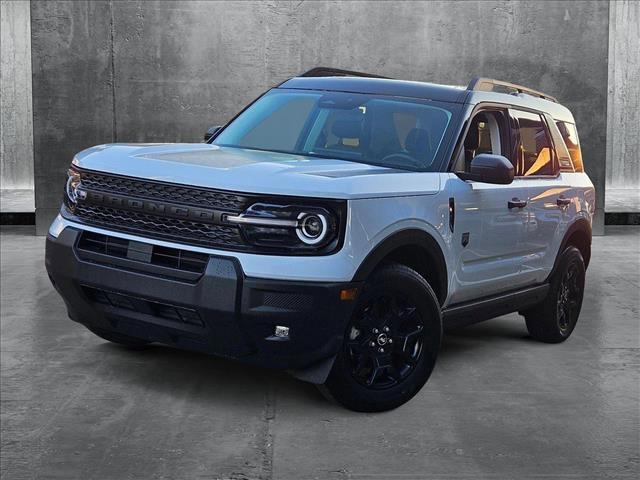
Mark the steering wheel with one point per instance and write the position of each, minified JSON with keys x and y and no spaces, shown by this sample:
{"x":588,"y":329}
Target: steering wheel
{"x":402,"y":157}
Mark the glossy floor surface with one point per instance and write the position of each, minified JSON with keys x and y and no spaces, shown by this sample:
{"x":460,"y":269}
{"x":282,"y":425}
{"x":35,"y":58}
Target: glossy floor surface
{"x":498,"y":406}
{"x":622,"y":200}
{"x":17,"y":200}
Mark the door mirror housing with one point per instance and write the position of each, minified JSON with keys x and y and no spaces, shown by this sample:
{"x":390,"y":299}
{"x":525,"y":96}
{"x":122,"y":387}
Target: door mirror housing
{"x":211,"y":131}
{"x":488,"y":168}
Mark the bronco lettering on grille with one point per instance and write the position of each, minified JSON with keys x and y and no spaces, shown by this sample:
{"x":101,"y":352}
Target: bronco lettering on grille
{"x":166,"y":209}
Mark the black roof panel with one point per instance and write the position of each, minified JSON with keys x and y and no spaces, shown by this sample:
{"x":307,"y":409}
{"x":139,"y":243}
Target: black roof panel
{"x":379,"y":86}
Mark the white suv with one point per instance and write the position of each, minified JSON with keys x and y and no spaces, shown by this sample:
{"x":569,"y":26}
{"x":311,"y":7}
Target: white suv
{"x":333,"y":229}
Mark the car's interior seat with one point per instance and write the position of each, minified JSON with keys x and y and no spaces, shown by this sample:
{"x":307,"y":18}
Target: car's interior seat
{"x":418,"y":144}
{"x":349,"y":134}
{"x":539,"y":161}
{"x":381,"y":136}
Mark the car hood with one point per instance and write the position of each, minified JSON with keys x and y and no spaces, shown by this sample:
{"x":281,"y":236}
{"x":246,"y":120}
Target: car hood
{"x":254,"y":171}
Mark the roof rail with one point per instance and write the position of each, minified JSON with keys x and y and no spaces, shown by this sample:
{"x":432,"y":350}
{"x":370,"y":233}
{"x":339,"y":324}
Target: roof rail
{"x":336,"y":72}
{"x":489,"y":85}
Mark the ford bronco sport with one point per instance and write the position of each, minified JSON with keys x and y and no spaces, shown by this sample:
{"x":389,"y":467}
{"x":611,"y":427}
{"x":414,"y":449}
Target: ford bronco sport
{"x":333,"y":229}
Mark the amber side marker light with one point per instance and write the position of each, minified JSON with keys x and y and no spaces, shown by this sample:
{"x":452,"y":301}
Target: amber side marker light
{"x":348,"y":294}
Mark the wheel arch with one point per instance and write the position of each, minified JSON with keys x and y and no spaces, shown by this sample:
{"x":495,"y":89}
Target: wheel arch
{"x":416,"y":249}
{"x":578,"y":235}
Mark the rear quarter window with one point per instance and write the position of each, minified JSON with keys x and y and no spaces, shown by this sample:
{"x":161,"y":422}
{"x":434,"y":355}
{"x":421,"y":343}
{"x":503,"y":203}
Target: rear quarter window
{"x":569,"y":136}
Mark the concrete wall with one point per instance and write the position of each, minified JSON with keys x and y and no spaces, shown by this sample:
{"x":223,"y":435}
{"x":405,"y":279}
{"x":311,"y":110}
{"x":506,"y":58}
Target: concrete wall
{"x":72,"y":91}
{"x":623,"y":152}
{"x":164,"y":71}
{"x":16,"y":137}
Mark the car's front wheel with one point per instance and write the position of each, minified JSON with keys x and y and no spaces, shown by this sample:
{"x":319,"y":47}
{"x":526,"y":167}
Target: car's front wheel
{"x":553,"y":320}
{"x":391,"y":343}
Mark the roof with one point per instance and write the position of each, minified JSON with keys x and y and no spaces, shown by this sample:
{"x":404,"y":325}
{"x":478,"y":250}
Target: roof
{"x":478,"y":90}
{"x":379,"y":86}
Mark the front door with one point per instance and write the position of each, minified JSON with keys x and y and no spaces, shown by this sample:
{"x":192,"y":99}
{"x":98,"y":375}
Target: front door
{"x":490,"y":219}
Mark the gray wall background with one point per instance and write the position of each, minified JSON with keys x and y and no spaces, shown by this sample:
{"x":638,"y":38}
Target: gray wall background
{"x":164,"y":71}
{"x":623,"y":152}
{"x":16,"y":140}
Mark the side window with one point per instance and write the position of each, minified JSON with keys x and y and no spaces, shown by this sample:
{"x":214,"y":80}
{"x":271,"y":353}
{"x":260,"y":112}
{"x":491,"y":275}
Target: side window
{"x":562,"y":153}
{"x":534,"y":150}
{"x":570,"y":136}
{"x":486,"y":134}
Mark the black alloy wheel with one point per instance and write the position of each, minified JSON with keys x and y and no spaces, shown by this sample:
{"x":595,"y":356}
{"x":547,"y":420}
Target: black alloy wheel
{"x":391,"y":342}
{"x":554,"y":319}
{"x":385,"y":341}
{"x":567,"y":298}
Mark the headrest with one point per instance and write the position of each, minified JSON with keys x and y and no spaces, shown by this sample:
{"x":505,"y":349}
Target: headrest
{"x":472,"y":140}
{"x":418,"y":142}
{"x":347,"y":128}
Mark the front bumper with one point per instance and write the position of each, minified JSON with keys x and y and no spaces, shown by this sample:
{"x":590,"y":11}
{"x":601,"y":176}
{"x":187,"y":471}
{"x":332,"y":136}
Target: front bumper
{"x":221,"y":312}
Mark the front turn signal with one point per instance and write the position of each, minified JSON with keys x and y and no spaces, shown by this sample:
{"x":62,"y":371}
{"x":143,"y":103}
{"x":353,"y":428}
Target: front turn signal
{"x":348,"y":294}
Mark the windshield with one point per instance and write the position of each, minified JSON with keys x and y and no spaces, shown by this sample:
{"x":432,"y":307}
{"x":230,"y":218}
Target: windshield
{"x":394,"y":132}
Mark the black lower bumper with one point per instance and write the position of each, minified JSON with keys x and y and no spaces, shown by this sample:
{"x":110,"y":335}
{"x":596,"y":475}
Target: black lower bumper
{"x":220,"y":311}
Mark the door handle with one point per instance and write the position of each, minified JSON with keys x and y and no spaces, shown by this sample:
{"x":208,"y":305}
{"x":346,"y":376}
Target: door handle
{"x":563,"y":202}
{"x":516,"y":203}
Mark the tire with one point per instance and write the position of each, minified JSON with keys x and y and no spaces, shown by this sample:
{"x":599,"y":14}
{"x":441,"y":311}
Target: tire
{"x":124,"y":340}
{"x":390,"y":345}
{"x":554,"y":319}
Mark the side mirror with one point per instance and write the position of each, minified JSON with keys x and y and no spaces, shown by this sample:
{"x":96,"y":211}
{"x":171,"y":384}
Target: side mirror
{"x":488,"y":168}
{"x":211,"y":131}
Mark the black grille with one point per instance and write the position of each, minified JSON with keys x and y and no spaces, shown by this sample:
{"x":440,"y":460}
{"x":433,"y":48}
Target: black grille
{"x":142,"y":305}
{"x":162,"y":256}
{"x":164,"y":191}
{"x":96,"y":242}
{"x":288,"y":301}
{"x":157,"y":225}
{"x":162,"y":227}
{"x":180,"y":213}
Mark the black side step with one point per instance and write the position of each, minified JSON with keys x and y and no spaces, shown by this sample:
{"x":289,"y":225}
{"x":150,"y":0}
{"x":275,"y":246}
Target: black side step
{"x":476,"y":311}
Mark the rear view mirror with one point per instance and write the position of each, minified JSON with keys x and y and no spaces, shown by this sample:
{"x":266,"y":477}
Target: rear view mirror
{"x":488,"y":168}
{"x":211,"y":131}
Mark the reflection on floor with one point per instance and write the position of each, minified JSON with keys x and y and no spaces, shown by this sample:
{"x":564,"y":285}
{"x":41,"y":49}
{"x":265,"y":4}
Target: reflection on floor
{"x":622,"y":200}
{"x":14,"y":201}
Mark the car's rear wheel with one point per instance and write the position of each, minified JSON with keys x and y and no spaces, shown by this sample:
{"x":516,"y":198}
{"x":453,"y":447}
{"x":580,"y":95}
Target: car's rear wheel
{"x":391,"y":342}
{"x":124,"y":340}
{"x":554,"y":319}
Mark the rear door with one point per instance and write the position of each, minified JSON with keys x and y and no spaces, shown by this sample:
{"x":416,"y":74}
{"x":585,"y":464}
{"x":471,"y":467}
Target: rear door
{"x":538,"y":165}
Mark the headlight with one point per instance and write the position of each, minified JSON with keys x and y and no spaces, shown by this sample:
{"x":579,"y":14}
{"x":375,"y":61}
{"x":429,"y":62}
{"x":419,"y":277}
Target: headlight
{"x":71,"y":187}
{"x":289,"y":226}
{"x":312,"y":228}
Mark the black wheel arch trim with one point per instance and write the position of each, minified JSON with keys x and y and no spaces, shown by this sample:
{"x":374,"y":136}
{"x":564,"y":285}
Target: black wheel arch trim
{"x":408,"y":238}
{"x":581,"y":225}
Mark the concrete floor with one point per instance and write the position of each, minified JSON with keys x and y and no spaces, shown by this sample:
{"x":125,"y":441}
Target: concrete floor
{"x":498,"y":406}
